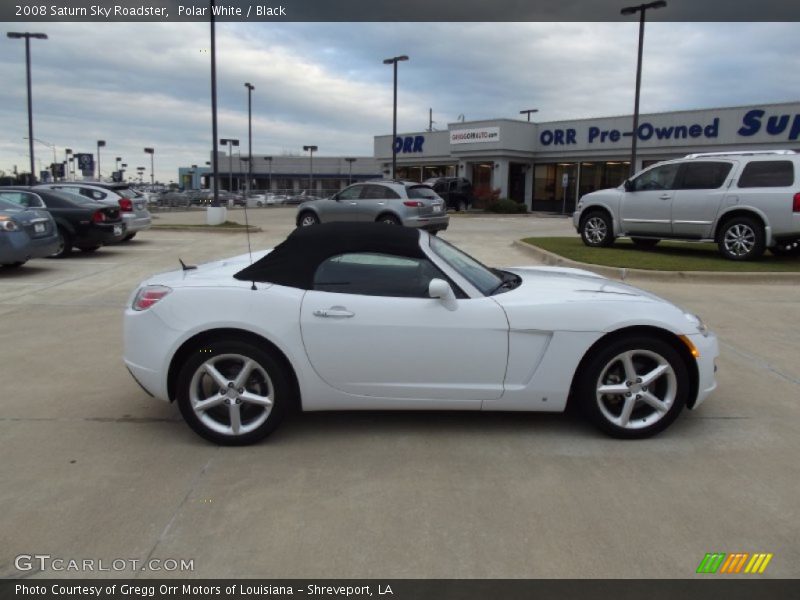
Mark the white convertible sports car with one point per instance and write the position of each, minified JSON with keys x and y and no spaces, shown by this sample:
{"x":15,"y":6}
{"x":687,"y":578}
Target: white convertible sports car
{"x":365,"y":316}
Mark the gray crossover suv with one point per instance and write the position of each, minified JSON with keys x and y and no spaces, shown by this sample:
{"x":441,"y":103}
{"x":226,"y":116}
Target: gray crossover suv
{"x":744,"y":201}
{"x":385,"y":201}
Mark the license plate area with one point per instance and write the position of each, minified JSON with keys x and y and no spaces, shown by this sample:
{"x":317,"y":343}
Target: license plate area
{"x":117,"y":229}
{"x":437,"y":208}
{"x":38,"y":227}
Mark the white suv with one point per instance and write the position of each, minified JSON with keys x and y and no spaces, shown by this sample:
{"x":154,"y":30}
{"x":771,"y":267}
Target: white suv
{"x":743,"y":201}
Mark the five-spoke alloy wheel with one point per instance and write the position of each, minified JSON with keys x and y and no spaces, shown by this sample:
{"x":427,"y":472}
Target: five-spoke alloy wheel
{"x":634,"y":387}
{"x":232,"y":392}
{"x":307,"y":219}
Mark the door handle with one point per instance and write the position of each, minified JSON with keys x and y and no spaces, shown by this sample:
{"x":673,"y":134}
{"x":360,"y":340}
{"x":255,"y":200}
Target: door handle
{"x":334,"y":312}
{"x":665,"y":196}
{"x":353,"y":203}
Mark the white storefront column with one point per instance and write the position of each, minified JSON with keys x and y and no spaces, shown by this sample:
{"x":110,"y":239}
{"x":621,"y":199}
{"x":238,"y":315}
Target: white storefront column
{"x":500,"y":177}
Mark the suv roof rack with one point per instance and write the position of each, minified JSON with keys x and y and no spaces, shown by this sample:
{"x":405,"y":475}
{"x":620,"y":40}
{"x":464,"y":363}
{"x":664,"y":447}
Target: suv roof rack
{"x":739,"y":153}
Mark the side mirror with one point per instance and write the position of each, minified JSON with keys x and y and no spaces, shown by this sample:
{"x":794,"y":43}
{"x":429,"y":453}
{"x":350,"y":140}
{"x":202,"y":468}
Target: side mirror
{"x":628,"y":185}
{"x":439,"y":288}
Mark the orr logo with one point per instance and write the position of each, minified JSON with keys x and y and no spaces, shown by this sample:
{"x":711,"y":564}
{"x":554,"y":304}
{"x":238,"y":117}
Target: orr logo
{"x":734,"y":564}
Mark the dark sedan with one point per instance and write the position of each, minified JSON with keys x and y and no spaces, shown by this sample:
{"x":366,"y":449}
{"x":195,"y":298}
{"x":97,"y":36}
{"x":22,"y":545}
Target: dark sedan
{"x":80,"y":223}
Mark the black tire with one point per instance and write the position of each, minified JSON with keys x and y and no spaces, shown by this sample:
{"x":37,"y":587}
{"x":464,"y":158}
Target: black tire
{"x":741,"y":238}
{"x":786,"y":249}
{"x":388,"y":219}
{"x":14,"y":265}
{"x":597,"y":230}
{"x":645,"y":243}
{"x":88,"y":249}
{"x":305,"y":219}
{"x":461,"y":206}
{"x":607,"y":368}
{"x":64,"y":244}
{"x":227,"y":356}
{"x":128,"y":237}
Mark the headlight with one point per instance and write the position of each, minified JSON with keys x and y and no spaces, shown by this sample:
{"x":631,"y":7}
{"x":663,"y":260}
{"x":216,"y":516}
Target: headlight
{"x":7,"y":224}
{"x":697,"y":322}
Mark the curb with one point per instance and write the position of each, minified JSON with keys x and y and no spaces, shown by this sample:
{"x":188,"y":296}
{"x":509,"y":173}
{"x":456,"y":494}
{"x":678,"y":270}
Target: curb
{"x":621,"y":273}
{"x":251,"y":229}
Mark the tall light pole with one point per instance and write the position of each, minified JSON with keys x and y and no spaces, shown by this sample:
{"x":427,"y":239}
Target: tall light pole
{"x":215,"y":157}
{"x":100,"y":144}
{"x":250,"y":89}
{"x":393,"y":61}
{"x":632,"y":10}
{"x":152,"y":153}
{"x":310,"y":150}
{"x":231,"y":143}
{"x":15,"y":35}
{"x":350,"y":175}
{"x":528,"y":112}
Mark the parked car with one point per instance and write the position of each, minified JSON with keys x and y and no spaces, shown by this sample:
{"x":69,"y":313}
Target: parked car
{"x":301,"y":198}
{"x":744,"y":201}
{"x":357,"y":316}
{"x":26,"y":232}
{"x":455,"y":191}
{"x":80,"y":222}
{"x":132,"y":204}
{"x":385,"y":201}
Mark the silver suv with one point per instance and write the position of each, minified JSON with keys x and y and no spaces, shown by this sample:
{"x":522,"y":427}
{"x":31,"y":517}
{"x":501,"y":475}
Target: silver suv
{"x":743,"y":201}
{"x":385,"y":201}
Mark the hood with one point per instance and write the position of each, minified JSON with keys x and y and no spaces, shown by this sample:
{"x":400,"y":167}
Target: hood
{"x":582,"y":301}
{"x":216,"y":273}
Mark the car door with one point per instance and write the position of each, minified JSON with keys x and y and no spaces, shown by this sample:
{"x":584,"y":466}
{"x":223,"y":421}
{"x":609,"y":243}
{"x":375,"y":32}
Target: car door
{"x":375,"y":200}
{"x":646,"y":205}
{"x":370,"y":329}
{"x":701,"y":186}
{"x":342,"y":206}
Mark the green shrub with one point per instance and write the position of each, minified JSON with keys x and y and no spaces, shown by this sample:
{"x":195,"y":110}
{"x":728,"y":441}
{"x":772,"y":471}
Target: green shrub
{"x":507,"y":207}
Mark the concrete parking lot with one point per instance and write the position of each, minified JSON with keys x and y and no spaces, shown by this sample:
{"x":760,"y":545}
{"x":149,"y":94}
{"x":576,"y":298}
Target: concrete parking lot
{"x":92,"y":468}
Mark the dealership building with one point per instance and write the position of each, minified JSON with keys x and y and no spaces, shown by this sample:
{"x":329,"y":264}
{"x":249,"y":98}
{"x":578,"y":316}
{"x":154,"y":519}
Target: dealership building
{"x":548,"y":165}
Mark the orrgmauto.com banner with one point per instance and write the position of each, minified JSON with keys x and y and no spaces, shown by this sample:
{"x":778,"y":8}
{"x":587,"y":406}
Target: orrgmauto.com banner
{"x":374,"y":11}
{"x":404,"y":589}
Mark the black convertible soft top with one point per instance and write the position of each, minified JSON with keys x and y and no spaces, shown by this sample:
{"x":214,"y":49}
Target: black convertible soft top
{"x":294,"y":261}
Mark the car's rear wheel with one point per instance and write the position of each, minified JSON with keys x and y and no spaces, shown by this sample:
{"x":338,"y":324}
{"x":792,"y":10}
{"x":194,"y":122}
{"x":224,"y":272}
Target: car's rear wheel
{"x":389,"y":220}
{"x":64,"y":244}
{"x":645,"y":242}
{"x":741,"y":238}
{"x":597,"y":230}
{"x":307,"y":218}
{"x":634,"y":387}
{"x":129,"y":237}
{"x":232,"y":393}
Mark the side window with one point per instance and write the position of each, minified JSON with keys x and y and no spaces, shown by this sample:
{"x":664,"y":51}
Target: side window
{"x":24,"y":199}
{"x":767,"y":173}
{"x":657,"y":178}
{"x":704,"y":175}
{"x":351,"y":193}
{"x":371,"y":274}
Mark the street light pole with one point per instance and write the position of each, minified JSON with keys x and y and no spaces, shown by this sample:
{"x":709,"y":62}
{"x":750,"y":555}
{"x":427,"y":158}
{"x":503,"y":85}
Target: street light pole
{"x":350,"y":175}
{"x":310,"y":150}
{"x":631,"y":10}
{"x":14,"y":35}
{"x":528,"y":112}
{"x":393,"y":61}
{"x":250,"y":89}
{"x":215,"y":158}
{"x":151,"y":152}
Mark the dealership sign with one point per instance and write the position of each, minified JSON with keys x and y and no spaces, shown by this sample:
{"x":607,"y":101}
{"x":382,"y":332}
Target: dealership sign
{"x":473,"y":136}
{"x":707,"y":127}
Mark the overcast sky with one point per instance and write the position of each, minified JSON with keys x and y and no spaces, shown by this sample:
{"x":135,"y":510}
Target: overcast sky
{"x":147,"y":84}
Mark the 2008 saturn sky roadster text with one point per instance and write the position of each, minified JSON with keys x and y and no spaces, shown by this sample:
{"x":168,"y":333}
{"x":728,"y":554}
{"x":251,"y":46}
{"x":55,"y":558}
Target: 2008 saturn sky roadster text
{"x":365,"y":316}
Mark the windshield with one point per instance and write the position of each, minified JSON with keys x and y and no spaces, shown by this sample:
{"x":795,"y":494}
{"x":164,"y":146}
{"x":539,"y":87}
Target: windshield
{"x":469,"y":268}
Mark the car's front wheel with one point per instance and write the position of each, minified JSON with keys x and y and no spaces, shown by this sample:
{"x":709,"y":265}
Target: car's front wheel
{"x":741,"y":238}
{"x":64,"y":244}
{"x":634,"y":387}
{"x":232,"y":393}
{"x":307,"y":218}
{"x":597,"y":230}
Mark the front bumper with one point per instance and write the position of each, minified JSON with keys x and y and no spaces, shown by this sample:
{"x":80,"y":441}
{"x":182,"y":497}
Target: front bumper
{"x":708,"y":347}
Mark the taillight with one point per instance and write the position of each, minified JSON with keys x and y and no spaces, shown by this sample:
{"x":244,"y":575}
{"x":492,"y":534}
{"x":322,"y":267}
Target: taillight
{"x":99,"y":217}
{"x":125,"y":205}
{"x":796,"y":203}
{"x":149,"y":295}
{"x":414,"y":203}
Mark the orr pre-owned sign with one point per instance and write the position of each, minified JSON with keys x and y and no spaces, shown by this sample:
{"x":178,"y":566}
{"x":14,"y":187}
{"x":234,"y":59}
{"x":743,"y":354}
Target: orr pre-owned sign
{"x":724,"y":126}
